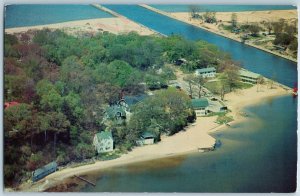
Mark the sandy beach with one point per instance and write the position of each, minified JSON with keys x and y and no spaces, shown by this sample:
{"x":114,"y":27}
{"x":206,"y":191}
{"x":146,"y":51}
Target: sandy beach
{"x":249,"y":16}
{"x":195,"y":136}
{"x":116,"y":25}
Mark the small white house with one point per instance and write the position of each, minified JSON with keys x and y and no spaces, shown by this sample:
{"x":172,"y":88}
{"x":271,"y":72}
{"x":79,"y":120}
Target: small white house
{"x":209,"y":72}
{"x":200,"y":106}
{"x":103,"y":142}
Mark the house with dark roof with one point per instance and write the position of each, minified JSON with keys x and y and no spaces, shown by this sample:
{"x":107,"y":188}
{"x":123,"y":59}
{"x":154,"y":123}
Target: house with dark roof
{"x":114,"y":112}
{"x":208,"y":72}
{"x":128,"y":101}
{"x":146,"y":138}
{"x":103,"y":142}
{"x":44,"y":171}
{"x":200,"y":106}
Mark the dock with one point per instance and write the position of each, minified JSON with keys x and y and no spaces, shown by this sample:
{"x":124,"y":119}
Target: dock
{"x":85,"y":180}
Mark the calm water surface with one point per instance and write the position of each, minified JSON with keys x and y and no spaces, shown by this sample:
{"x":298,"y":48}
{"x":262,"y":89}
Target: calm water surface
{"x":271,"y":66}
{"x":223,"y":8}
{"x":259,"y":155}
{"x":30,"y":15}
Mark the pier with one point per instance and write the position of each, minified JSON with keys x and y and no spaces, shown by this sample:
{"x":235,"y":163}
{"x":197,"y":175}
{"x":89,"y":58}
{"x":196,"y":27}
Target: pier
{"x":85,"y":180}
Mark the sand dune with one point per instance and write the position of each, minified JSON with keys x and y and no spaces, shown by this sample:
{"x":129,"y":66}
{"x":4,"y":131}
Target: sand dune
{"x":113,"y":25}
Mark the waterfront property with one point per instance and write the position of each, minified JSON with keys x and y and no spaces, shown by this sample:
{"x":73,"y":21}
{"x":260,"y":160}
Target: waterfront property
{"x":103,"y":142}
{"x":248,"y":77}
{"x":129,"y":101}
{"x":44,"y":171}
{"x":114,"y":113}
{"x":209,"y":72}
{"x":146,"y":138}
{"x":200,"y":106}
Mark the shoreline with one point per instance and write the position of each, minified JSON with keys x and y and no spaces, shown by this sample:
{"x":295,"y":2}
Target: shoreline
{"x":172,"y":15}
{"x":115,"y":25}
{"x":190,"y":140}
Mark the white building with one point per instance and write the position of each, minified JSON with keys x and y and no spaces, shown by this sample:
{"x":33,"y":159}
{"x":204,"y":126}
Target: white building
{"x":248,"y":77}
{"x":200,"y":106}
{"x":103,"y":142}
{"x":209,"y":72}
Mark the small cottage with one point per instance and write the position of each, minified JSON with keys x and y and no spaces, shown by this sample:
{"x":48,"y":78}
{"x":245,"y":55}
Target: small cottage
{"x":208,"y":72}
{"x":103,"y":142}
{"x":44,"y":171}
{"x":147,"y":138}
{"x":200,"y":106}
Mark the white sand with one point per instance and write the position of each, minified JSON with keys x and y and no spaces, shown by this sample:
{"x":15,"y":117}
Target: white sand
{"x":114,"y":25}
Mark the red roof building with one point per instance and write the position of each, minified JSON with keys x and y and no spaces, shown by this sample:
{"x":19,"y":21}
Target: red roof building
{"x":9,"y":104}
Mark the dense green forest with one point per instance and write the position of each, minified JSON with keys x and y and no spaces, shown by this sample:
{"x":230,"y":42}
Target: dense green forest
{"x":63,"y":84}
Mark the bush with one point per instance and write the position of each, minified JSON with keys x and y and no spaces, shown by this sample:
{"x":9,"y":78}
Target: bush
{"x":223,"y":119}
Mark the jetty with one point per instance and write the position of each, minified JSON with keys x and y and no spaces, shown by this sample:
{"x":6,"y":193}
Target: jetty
{"x":85,"y":180}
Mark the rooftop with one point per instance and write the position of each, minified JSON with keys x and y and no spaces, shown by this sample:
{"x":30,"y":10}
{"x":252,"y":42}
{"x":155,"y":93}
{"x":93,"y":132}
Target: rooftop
{"x":131,"y":100}
{"x":208,"y":69}
{"x":113,"y":110}
{"x":45,"y":168}
{"x":147,"y":134}
{"x":199,"y":103}
{"x":104,"y":135}
{"x":248,"y":74}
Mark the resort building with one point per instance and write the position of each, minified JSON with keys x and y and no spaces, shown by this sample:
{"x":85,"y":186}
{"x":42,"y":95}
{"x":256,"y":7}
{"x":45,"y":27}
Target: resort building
{"x":209,"y":72}
{"x":248,"y":77}
{"x":200,"y":106}
{"x":44,"y":171}
{"x":103,"y":142}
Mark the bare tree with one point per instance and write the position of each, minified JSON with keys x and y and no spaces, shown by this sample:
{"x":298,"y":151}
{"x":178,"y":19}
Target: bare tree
{"x":199,"y":82}
{"x":194,"y":11}
{"x":234,"y":20}
{"x":189,"y":80}
{"x":259,"y":82}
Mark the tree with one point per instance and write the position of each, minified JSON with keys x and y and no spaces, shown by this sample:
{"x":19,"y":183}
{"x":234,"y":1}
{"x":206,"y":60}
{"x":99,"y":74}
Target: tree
{"x":168,"y":111}
{"x":189,"y":80}
{"x":209,"y":17}
{"x":231,"y":77}
{"x":199,"y":82}
{"x":259,"y":82}
{"x":55,"y":123}
{"x":194,"y":11}
{"x":254,"y":29}
{"x":233,"y":20}
{"x":269,"y":27}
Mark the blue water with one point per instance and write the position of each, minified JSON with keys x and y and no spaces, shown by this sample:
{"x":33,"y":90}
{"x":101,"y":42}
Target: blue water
{"x":223,"y":8}
{"x":266,"y":64}
{"x":258,"y":155}
{"x":30,"y":15}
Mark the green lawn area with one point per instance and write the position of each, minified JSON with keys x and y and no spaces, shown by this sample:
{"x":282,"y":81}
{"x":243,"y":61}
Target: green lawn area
{"x":215,"y":86}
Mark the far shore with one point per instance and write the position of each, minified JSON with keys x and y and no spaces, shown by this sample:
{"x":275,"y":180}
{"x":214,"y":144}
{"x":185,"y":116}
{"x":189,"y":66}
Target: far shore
{"x":250,"y":16}
{"x":115,"y":25}
{"x":190,"y":140}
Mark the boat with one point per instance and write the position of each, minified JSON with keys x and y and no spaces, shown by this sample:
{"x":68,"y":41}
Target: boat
{"x":295,"y":90}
